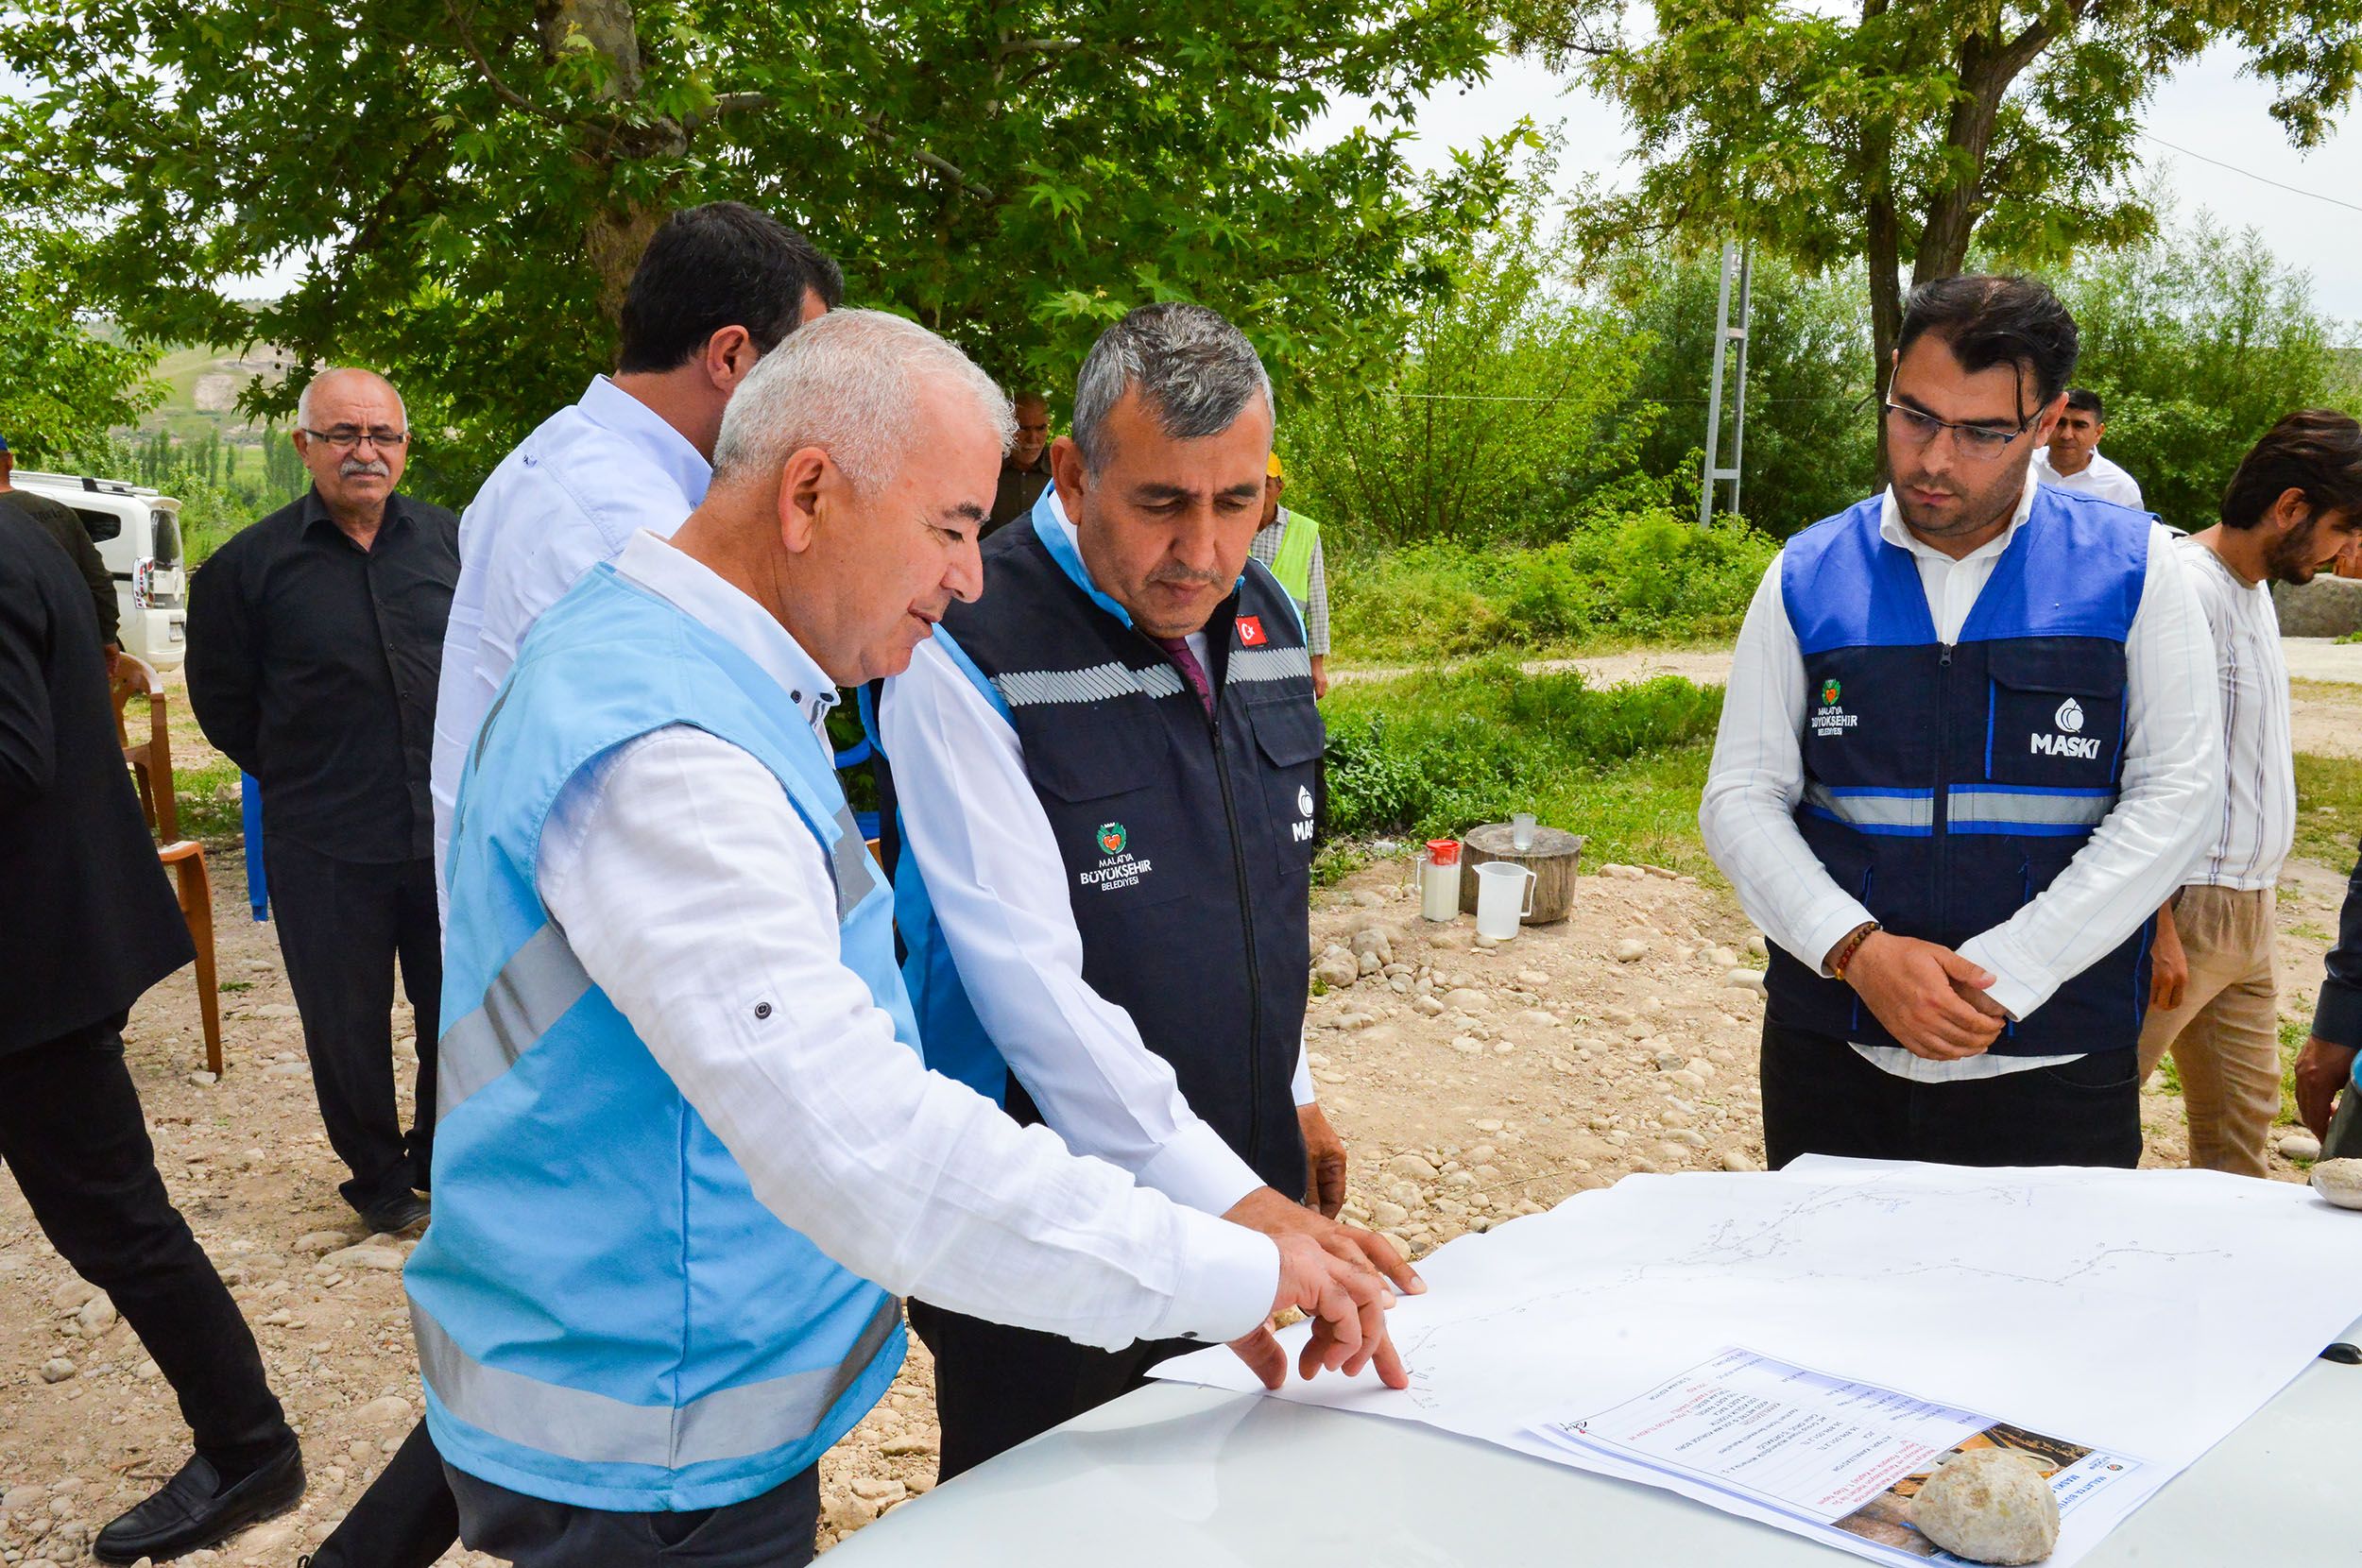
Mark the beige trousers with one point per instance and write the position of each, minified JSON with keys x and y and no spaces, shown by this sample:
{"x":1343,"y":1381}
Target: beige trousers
{"x":2225,"y":1036}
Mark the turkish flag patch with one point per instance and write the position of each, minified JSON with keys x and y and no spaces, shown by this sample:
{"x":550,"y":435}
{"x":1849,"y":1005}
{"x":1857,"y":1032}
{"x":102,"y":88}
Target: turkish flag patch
{"x":1250,"y":631}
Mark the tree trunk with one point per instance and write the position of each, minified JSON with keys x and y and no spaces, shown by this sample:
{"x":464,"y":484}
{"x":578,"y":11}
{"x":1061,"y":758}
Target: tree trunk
{"x":616,"y":235}
{"x":1553,"y":858}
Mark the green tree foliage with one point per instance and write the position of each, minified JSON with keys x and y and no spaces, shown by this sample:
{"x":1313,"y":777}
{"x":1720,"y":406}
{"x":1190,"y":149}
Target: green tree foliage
{"x":467,"y":183}
{"x":2196,"y":342}
{"x":1509,"y":396}
{"x":1902,"y":133}
{"x":61,"y":384}
{"x":1811,"y":442}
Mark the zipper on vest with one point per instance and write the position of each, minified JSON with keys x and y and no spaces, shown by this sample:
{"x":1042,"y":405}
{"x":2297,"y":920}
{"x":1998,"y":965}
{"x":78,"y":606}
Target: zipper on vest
{"x":1943,"y":803}
{"x":1246,"y":920}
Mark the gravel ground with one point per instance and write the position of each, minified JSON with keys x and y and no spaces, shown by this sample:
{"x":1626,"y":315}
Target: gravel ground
{"x":1472,"y":1085}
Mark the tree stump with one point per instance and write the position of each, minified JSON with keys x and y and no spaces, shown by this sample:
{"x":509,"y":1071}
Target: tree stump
{"x":1551,"y":860}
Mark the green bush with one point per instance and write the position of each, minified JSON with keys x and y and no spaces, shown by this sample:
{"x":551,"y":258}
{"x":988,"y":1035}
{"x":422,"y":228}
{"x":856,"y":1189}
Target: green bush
{"x":1435,"y":754}
{"x":1644,"y":575}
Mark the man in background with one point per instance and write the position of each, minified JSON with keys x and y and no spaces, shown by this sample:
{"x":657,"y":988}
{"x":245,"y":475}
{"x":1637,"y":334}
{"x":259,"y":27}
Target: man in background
{"x":2292,"y":506}
{"x":1290,"y":543}
{"x":1026,"y":471}
{"x":88,"y":925}
{"x":718,"y":287}
{"x":2072,"y":460}
{"x":315,"y":638}
{"x":57,"y":519}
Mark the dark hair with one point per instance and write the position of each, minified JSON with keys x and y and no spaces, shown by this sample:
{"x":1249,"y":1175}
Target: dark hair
{"x":2088,"y":400}
{"x":2317,"y":451}
{"x":1988,"y":321}
{"x":721,"y":264}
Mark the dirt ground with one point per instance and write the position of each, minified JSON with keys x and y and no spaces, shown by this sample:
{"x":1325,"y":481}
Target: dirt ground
{"x":1472,"y":1085}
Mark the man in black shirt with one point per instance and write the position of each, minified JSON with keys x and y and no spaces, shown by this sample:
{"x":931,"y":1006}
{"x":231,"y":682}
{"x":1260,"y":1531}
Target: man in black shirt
{"x":1026,"y":471}
{"x":315,"y":640}
{"x":59,"y":521}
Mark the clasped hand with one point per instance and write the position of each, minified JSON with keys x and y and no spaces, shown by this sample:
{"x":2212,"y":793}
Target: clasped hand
{"x":1342,"y":1278}
{"x":1929,"y":998}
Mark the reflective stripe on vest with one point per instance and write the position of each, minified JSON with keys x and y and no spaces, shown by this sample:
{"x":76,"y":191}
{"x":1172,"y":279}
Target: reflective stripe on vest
{"x":591,"y":1429}
{"x":2024,"y":808}
{"x":1025,"y":688}
{"x":1909,"y":812}
{"x":1292,"y":564}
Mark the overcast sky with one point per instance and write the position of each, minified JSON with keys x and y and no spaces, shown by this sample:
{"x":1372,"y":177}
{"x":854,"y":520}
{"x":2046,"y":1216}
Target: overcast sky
{"x":2210,"y":108}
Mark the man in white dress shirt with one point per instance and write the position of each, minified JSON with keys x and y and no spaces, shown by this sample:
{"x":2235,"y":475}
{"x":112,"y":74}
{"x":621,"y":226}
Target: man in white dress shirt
{"x":2072,"y":461}
{"x":2293,"y":505}
{"x":1102,"y":775}
{"x":690,"y":1137}
{"x":718,"y":287}
{"x":1970,"y":743}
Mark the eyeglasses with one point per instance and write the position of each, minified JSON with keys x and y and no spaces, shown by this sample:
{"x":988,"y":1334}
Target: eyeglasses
{"x":345,"y":437}
{"x":1978,"y":443}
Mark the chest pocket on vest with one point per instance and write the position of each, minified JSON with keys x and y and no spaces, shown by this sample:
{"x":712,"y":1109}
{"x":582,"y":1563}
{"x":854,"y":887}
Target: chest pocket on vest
{"x":2054,"y":713}
{"x":1289,"y":739}
{"x":1106,"y":793}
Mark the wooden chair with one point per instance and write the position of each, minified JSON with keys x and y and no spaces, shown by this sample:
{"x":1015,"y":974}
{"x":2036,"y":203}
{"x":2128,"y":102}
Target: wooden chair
{"x":152,"y":763}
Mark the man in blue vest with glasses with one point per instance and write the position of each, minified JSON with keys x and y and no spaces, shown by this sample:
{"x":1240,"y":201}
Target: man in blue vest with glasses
{"x":1971,"y":743}
{"x":689,"y":1154}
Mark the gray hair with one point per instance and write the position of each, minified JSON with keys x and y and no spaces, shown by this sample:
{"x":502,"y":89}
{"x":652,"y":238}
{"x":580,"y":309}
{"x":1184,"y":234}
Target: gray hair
{"x":846,"y":384}
{"x":1194,"y":371}
{"x":303,"y":399}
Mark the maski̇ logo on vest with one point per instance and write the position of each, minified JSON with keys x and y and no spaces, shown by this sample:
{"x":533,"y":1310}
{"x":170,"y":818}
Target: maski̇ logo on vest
{"x":2070,"y":720}
{"x":1303,"y":830}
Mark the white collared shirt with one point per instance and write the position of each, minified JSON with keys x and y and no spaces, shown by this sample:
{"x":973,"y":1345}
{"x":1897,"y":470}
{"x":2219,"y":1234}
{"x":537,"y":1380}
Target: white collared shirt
{"x":2171,"y":797}
{"x":571,"y":496}
{"x":996,"y":878}
{"x":690,"y":891}
{"x":2259,"y":811}
{"x":2102,"y":477}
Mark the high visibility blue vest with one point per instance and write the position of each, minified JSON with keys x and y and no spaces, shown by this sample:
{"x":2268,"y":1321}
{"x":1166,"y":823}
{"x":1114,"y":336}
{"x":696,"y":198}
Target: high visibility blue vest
{"x":606,"y":1314}
{"x":1185,"y":845}
{"x":1947,"y":785}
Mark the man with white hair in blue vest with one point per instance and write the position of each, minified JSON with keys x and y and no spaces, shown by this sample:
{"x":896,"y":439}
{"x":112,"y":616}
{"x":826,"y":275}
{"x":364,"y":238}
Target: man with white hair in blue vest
{"x":689,"y":1154}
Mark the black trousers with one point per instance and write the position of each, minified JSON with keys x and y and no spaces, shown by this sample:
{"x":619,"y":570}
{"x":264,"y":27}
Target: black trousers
{"x":406,"y":1520}
{"x":2345,"y":1128}
{"x":775,"y":1530}
{"x":342,"y":927}
{"x":996,"y":1386}
{"x":72,"y":1135}
{"x":1820,"y":1097}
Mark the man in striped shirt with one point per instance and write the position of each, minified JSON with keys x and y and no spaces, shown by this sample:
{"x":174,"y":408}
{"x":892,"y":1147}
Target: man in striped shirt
{"x":2295,"y":502}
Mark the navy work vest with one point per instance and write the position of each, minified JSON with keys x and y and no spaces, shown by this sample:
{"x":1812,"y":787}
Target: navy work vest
{"x":1947,"y":786}
{"x":1186,"y":845}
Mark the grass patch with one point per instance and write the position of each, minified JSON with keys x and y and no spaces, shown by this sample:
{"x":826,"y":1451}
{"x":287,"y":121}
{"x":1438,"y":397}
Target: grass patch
{"x":211,"y":810}
{"x":2329,"y":809}
{"x":1435,"y":754}
{"x":1642,"y":577}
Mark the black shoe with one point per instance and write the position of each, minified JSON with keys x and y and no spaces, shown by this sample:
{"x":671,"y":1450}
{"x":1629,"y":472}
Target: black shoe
{"x":195,"y":1510}
{"x":403,"y":1212}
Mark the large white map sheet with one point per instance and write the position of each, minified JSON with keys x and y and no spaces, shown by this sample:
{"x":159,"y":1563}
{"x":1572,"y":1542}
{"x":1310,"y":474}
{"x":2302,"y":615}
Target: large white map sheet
{"x":2147,"y":1311}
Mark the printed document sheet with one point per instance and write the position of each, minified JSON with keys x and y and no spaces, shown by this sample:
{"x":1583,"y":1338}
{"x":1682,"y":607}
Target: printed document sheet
{"x":2040,"y":1297}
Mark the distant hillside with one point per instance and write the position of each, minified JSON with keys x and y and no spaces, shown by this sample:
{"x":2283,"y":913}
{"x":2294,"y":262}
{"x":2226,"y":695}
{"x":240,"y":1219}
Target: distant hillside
{"x":201,"y":387}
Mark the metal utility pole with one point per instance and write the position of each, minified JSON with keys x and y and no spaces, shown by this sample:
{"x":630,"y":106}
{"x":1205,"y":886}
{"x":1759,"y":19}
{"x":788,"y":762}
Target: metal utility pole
{"x":1741,"y":263}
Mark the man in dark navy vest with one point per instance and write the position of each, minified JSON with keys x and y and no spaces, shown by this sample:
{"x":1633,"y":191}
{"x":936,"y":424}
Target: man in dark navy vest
{"x":1970,"y":742}
{"x":1103,"y":771}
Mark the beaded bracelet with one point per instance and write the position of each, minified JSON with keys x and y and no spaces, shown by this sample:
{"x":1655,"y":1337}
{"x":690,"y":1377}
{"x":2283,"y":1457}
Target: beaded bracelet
{"x":1852,"y":946}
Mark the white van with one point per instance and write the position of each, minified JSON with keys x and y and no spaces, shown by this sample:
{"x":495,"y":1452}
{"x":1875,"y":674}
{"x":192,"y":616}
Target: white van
{"x":138,"y":534}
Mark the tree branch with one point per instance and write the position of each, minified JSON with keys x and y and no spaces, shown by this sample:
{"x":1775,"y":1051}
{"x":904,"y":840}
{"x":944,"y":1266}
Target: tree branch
{"x":506,"y":93}
{"x":875,"y":125}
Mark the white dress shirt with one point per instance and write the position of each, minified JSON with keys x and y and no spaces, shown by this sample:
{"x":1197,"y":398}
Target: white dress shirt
{"x":2259,"y":811}
{"x":2102,"y":477}
{"x":571,"y":496}
{"x":692,"y":892}
{"x":2170,"y":800}
{"x":993,"y":870}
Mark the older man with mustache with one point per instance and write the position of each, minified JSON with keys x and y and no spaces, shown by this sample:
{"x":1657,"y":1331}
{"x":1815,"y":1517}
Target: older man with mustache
{"x":314,"y":640}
